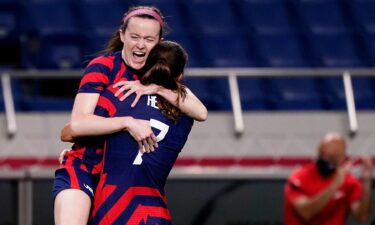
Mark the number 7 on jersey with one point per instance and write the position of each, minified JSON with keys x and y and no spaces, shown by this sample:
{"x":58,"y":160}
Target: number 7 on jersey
{"x":163,"y":131}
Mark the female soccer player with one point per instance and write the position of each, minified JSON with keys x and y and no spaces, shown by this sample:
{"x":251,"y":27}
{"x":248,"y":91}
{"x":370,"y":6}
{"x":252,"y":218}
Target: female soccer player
{"x":131,"y":187}
{"x":127,"y":51}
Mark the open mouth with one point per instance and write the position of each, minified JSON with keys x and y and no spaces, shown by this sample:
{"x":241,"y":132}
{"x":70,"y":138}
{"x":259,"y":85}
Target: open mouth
{"x":139,"y":55}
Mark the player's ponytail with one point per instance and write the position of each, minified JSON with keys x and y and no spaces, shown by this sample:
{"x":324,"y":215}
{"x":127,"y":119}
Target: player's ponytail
{"x":163,"y":67}
{"x":160,"y":73}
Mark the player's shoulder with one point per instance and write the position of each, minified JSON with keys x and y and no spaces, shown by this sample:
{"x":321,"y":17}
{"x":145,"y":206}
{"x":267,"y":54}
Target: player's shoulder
{"x":104,"y":60}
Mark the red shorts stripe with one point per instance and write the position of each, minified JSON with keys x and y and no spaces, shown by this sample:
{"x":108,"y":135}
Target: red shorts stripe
{"x":73,"y":177}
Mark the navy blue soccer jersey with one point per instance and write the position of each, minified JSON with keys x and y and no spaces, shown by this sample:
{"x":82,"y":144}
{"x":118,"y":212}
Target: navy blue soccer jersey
{"x":100,"y":74}
{"x":131,"y":187}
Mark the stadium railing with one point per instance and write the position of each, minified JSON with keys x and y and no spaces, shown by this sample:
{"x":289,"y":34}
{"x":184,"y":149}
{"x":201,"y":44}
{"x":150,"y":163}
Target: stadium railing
{"x":231,"y":73}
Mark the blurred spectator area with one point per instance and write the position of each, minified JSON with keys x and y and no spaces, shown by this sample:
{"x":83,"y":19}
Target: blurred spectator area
{"x":66,"y":34}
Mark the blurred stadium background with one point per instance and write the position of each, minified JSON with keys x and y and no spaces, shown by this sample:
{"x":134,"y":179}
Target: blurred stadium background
{"x":275,"y":75}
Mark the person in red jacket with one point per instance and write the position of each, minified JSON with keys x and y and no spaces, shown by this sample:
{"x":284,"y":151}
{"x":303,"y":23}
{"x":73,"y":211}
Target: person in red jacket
{"x":325,"y":192}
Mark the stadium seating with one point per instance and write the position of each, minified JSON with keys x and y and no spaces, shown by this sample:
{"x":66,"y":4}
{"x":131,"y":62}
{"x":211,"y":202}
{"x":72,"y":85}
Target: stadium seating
{"x":210,"y":16}
{"x":364,"y":25}
{"x":93,"y":15}
{"x":46,"y":94}
{"x":254,"y":95}
{"x":227,"y":50}
{"x":334,"y":94}
{"x":95,"y":43}
{"x":189,"y":43}
{"x":295,"y":94}
{"x":18,"y":96}
{"x":9,"y":32}
{"x":51,"y":36}
{"x":213,"y":92}
{"x":363,"y":14}
{"x":265,"y":16}
{"x":335,"y":50}
{"x":322,"y":16}
{"x":173,"y":13}
{"x":369,"y":47}
{"x":9,"y":13}
{"x":281,"y":50}
{"x":97,"y":24}
{"x":66,"y":34}
{"x":8,"y":21}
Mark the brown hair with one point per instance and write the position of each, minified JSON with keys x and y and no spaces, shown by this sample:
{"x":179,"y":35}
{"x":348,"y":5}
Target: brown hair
{"x":115,"y":44}
{"x":164,"y":65}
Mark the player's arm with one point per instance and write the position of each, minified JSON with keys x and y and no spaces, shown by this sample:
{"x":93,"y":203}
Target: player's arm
{"x":190,"y":105}
{"x":361,"y":208}
{"x":308,"y":207}
{"x":85,"y":123}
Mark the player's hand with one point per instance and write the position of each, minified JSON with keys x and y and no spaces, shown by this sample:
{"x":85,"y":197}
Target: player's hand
{"x":141,"y":131}
{"x":130,"y":87}
{"x":62,"y":154}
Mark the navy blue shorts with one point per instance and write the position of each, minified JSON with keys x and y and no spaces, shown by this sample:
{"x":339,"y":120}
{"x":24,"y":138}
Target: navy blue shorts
{"x":75,"y":178}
